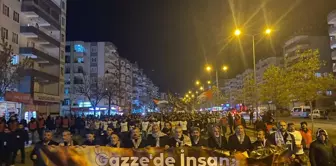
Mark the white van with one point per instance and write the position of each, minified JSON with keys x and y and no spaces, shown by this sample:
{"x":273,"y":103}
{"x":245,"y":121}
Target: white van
{"x":302,"y":111}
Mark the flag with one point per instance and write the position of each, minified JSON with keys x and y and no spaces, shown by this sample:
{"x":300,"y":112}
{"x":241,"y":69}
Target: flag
{"x":159,"y":102}
{"x":207,"y":95}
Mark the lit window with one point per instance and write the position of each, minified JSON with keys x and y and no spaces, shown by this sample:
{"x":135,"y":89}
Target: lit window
{"x":79,"y":48}
{"x":15,"y":59}
{"x":84,"y":104}
{"x":329,"y":93}
{"x":66,"y":91}
{"x":318,"y":74}
{"x":80,"y":60}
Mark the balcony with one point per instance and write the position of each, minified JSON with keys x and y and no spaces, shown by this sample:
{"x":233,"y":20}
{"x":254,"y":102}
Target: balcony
{"x":44,"y":97}
{"x":332,"y":17}
{"x":333,"y":55}
{"x":39,"y":56}
{"x":48,"y":12}
{"x":332,"y":31}
{"x":38,"y":36}
{"x":40,"y":76}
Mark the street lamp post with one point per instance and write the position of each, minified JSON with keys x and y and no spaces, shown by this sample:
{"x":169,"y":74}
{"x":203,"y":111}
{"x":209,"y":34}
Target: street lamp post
{"x":267,"y":32}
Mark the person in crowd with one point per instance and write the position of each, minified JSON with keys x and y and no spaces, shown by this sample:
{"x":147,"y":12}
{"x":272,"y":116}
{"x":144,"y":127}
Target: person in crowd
{"x":261,"y":141}
{"x":115,"y":141}
{"x":179,"y":139}
{"x":307,"y":135}
{"x":282,"y":137}
{"x":322,"y":151}
{"x":157,"y":138}
{"x":65,"y":123}
{"x":32,"y":127}
{"x":224,"y":124}
{"x":124,"y":129}
{"x":299,"y":141}
{"x":106,"y":137}
{"x":167,"y":129}
{"x":24,"y":123}
{"x":6,"y":147}
{"x":239,"y":121}
{"x":13,"y":123}
{"x":72,"y":124}
{"x":41,"y":126}
{"x":239,"y":141}
{"x":251,"y":116}
{"x":216,"y":140}
{"x":115,"y":125}
{"x":20,"y":137}
{"x":67,"y":139}
{"x":50,"y":123}
{"x":230,"y":120}
{"x":135,"y":141}
{"x":90,"y":140}
{"x":58,"y":124}
{"x":184,"y":124}
{"x":2,"y":124}
{"x":35,"y":155}
{"x":196,"y":139}
{"x":260,"y":125}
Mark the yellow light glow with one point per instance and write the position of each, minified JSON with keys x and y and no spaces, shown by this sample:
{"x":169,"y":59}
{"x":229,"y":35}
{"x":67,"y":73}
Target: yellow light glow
{"x":268,"y":31}
{"x":225,"y":68}
{"x":196,"y":92}
{"x":197,"y":82}
{"x":209,"y":82}
{"x":192,"y":96}
{"x":190,"y":92}
{"x":186,"y":95}
{"x":208,"y":68}
{"x":237,"y":32}
{"x":201,"y":88}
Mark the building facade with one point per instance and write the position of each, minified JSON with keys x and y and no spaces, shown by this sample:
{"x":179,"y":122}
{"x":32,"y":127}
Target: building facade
{"x":332,"y":34}
{"x":36,"y":29}
{"x":101,"y":59}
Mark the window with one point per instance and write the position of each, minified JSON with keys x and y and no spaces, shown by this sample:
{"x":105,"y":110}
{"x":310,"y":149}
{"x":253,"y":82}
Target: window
{"x":16,"y":16}
{"x":4,"y":33}
{"x":63,"y":21}
{"x":62,"y":54}
{"x":80,"y":60}
{"x":62,"y":71}
{"x":79,"y":48}
{"x":67,"y":48}
{"x":5,"y":10}
{"x":93,"y":59}
{"x":67,"y":59}
{"x":15,"y":38}
{"x":66,"y":91}
{"x":318,"y":74}
{"x":66,"y":102}
{"x":94,"y":49}
{"x":63,"y":38}
{"x":15,"y":59}
{"x":63,"y":5}
{"x":93,"y":69}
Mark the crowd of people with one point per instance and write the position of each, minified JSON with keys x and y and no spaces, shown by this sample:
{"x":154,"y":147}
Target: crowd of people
{"x":225,"y":131}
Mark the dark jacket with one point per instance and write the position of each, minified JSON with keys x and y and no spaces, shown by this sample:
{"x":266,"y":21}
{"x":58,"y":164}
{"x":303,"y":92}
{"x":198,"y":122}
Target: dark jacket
{"x":20,"y":137}
{"x":212,"y":143}
{"x":235,"y":145}
{"x":164,"y":140}
{"x":7,"y":142}
{"x":89,"y":143}
{"x":259,"y":144}
{"x":201,"y":142}
{"x":36,"y":151}
{"x":271,"y":139}
{"x":129,"y":144}
{"x":322,"y":154}
{"x":73,"y":141}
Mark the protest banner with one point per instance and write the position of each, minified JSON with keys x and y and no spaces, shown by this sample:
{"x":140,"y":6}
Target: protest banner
{"x":105,"y":156}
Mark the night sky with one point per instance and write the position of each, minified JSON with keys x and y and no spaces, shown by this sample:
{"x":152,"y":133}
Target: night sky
{"x":172,"y":40}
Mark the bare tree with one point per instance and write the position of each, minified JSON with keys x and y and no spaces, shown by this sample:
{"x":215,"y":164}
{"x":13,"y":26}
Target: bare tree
{"x":10,"y":71}
{"x":93,"y":89}
{"x":111,"y":91}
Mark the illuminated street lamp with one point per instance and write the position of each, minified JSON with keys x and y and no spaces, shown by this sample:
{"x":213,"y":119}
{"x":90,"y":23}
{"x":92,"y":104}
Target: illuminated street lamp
{"x":190,"y":92}
{"x":196,"y":92}
{"x":197,"y":82}
{"x":192,"y":96}
{"x":201,"y":88}
{"x":208,"y":68}
{"x":225,"y":68}
{"x":209,"y":82}
{"x":186,"y":95}
{"x":268,"y":31}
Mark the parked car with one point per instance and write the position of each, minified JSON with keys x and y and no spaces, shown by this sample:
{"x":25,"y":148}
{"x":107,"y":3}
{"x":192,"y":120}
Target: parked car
{"x":317,"y":114}
{"x":301,"y":112}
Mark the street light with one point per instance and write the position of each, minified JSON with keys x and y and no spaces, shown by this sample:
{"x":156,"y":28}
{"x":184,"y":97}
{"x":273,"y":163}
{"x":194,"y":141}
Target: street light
{"x":208,"y":68}
{"x":268,"y":31}
{"x":190,"y":92}
{"x":201,"y":88}
{"x":225,"y":68}
{"x":196,"y":92}
{"x":186,"y":95}
{"x":209,"y":82}
{"x":192,"y":96}
{"x":197,"y":82}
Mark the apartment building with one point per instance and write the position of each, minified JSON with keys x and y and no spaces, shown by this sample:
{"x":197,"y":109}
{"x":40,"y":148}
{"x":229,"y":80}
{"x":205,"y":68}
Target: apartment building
{"x":332,"y":33}
{"x":96,"y":60}
{"x":36,"y":29}
{"x":262,"y":66}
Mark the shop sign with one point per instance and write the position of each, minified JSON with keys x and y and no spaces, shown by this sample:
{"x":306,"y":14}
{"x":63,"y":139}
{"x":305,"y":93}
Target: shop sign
{"x":46,"y":97}
{"x":18,"y":97}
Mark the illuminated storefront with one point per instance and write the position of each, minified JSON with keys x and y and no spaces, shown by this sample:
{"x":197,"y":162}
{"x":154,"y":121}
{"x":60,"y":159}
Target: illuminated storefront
{"x":14,"y":103}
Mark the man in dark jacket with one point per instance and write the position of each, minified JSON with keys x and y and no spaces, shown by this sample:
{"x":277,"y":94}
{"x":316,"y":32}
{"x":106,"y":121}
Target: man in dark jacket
{"x":67,"y":139}
{"x":135,"y":141}
{"x":230,"y":120}
{"x":261,"y":141}
{"x":283,"y":138}
{"x":239,"y":141}
{"x":157,"y":138}
{"x":6,"y":147}
{"x":322,"y":151}
{"x":90,"y":140}
{"x":196,"y":140}
{"x":216,"y":140}
{"x":35,"y":154}
{"x":20,"y":138}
